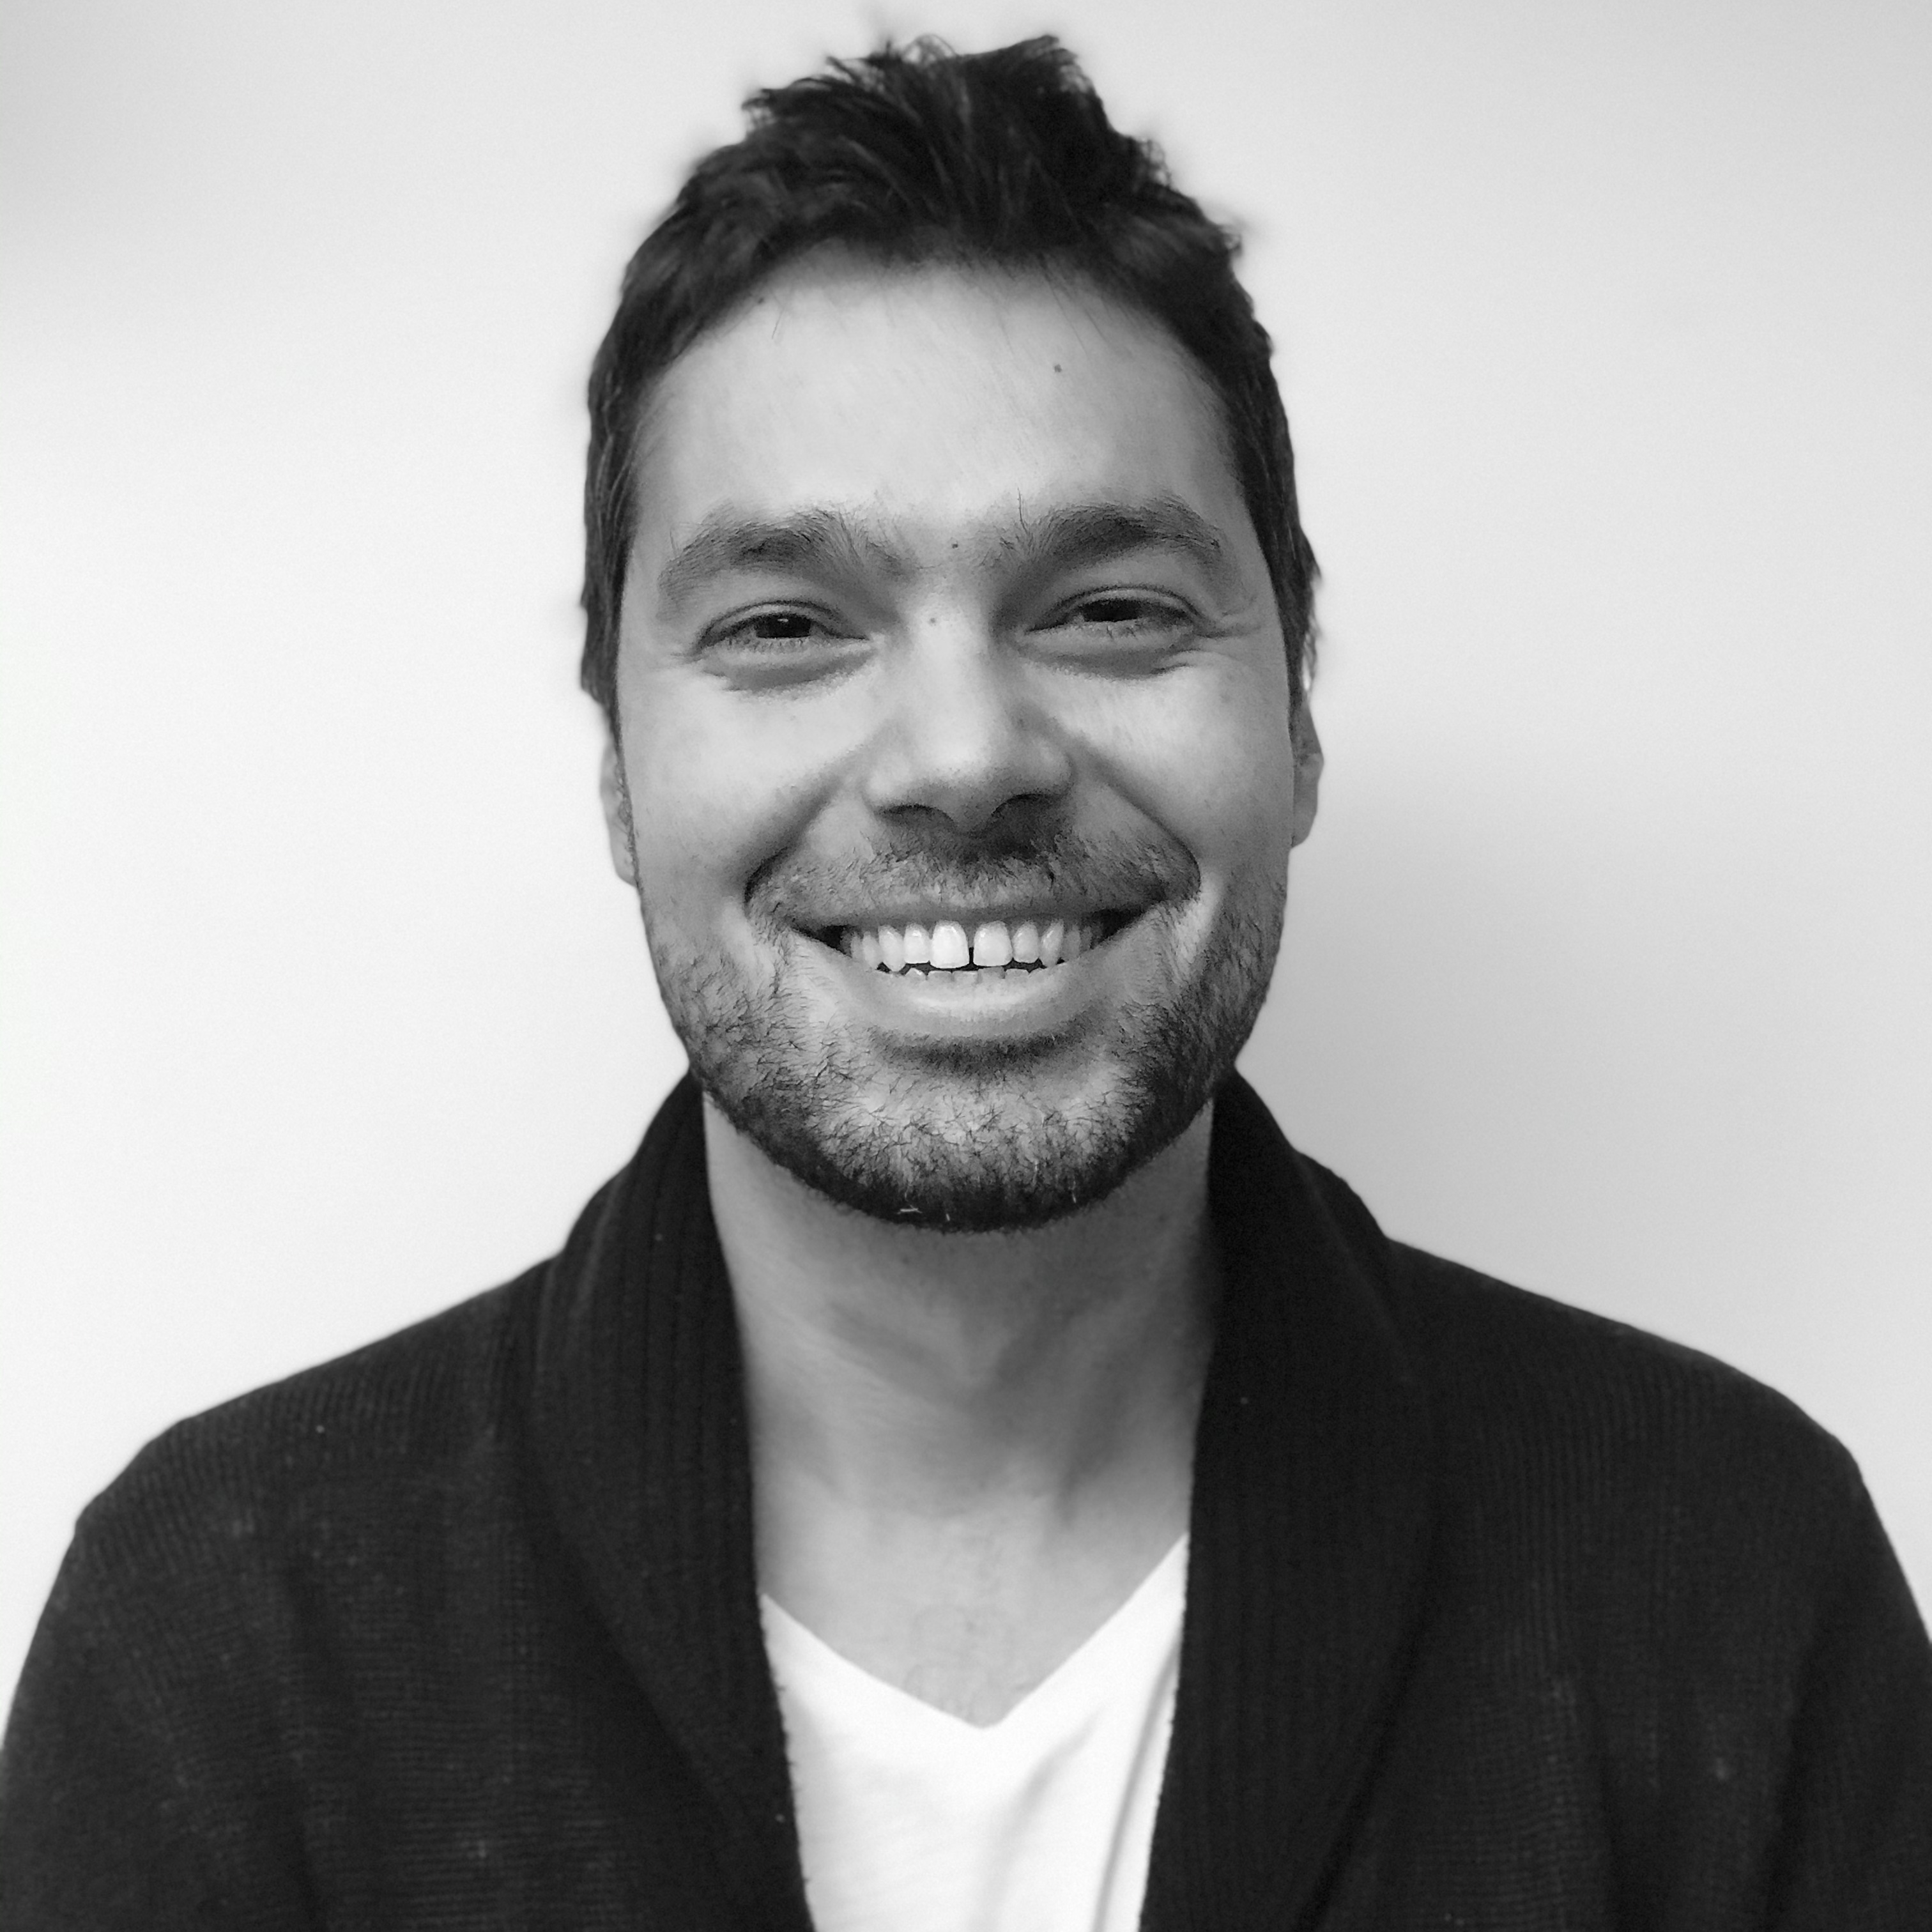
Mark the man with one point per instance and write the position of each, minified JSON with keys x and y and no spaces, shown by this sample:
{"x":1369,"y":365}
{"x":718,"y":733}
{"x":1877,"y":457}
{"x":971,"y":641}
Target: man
{"x":968,"y":1471}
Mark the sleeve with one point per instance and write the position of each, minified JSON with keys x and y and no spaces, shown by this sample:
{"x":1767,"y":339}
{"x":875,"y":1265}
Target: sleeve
{"x":1855,"y":1845}
{"x":91,"y":1833}
{"x":106,"y":1817}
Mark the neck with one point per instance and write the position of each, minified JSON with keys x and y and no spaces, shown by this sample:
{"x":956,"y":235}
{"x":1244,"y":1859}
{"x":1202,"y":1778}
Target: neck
{"x":909,"y":1366}
{"x":990,"y":1421}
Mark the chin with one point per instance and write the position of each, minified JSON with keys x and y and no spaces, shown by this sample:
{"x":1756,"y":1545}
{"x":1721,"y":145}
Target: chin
{"x":965,"y":1154}
{"x":973,"y":1141}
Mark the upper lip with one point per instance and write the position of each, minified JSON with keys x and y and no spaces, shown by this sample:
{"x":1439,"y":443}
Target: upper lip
{"x":1109,"y":879}
{"x":929,"y":912}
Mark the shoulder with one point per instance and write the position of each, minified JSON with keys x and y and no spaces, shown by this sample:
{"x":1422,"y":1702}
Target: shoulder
{"x":1654,"y":1488}
{"x":1502,"y":1359}
{"x":1503,"y":1363}
{"x":1650,"y":1573}
{"x":387,"y":1420}
{"x":275,"y":1572}
{"x":1606,"y":1448}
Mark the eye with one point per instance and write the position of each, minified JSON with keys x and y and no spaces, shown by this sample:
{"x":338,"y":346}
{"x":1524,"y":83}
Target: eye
{"x":1132,"y":625}
{"x":1117,"y":609}
{"x":772,"y":628}
{"x":778,"y":644}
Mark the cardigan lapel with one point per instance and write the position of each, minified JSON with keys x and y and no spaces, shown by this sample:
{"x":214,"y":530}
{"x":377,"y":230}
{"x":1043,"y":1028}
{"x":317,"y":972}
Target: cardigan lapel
{"x":1310,"y":1533}
{"x":1309,"y":1524}
{"x":640,"y":1417}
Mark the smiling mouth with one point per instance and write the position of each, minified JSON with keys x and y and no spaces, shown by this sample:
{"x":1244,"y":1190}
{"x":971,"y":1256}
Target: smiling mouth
{"x":994,"y":947}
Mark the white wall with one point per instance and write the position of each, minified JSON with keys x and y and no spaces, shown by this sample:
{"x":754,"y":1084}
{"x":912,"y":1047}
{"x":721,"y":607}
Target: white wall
{"x":1604,"y":330}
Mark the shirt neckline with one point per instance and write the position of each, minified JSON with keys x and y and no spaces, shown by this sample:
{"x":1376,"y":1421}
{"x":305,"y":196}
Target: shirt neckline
{"x":1156,"y":1602}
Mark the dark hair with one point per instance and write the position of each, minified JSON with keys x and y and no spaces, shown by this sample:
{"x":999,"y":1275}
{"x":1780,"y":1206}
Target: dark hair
{"x":919,"y":155}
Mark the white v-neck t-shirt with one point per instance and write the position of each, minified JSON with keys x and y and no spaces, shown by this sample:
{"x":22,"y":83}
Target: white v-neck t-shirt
{"x":909,"y":1817}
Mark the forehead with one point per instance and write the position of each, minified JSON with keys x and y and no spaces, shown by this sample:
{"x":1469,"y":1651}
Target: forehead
{"x":935,"y":399}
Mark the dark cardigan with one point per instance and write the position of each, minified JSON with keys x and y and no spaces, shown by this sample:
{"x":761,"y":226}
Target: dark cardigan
{"x":1499,"y":1616}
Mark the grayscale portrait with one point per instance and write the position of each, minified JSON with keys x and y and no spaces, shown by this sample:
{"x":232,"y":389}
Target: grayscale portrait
{"x":965,"y":971}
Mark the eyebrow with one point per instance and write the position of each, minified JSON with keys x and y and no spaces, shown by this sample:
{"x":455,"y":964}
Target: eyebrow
{"x":832,"y":541}
{"x":1077,"y":533}
{"x":810,"y":541}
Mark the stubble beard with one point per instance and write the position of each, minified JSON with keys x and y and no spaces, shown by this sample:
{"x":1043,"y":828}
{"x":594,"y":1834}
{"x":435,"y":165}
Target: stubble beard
{"x":964,"y":1137}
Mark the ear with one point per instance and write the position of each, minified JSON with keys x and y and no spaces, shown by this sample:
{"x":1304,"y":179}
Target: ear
{"x":615,"y":796}
{"x":1307,"y":748}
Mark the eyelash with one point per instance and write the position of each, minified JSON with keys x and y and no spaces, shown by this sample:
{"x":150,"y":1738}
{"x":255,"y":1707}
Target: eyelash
{"x":1143,"y":606}
{"x":738,"y":631}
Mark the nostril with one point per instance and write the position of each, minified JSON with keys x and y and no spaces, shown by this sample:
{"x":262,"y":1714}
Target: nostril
{"x":967,"y":761}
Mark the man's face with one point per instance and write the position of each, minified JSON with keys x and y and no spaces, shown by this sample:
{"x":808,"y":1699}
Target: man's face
{"x":957,"y":776}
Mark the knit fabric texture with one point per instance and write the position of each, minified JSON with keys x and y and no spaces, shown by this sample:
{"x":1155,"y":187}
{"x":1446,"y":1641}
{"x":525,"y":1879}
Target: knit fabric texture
{"x":1498,"y":1615}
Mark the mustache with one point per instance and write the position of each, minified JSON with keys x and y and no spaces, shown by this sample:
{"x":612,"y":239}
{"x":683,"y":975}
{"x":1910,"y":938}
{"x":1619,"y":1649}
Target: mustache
{"x":1092,"y":871}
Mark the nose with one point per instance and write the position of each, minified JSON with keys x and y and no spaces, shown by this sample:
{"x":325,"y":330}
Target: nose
{"x":964,"y":739}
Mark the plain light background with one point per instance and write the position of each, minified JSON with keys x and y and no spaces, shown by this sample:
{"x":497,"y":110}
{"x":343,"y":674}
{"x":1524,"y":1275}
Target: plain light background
{"x":1604,"y":329}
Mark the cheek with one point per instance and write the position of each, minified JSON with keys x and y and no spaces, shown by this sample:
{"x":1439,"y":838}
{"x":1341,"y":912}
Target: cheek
{"x":716,"y":787}
{"x":1213,"y":763}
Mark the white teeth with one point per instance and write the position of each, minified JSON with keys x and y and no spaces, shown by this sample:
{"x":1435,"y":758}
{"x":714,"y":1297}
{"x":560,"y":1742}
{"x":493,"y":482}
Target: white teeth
{"x":992,"y":945}
{"x":944,"y":949}
{"x":949,"y":948}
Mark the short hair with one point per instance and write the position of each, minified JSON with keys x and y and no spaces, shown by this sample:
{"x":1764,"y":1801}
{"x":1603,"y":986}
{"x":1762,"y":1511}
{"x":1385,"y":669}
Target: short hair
{"x":918,"y":156}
